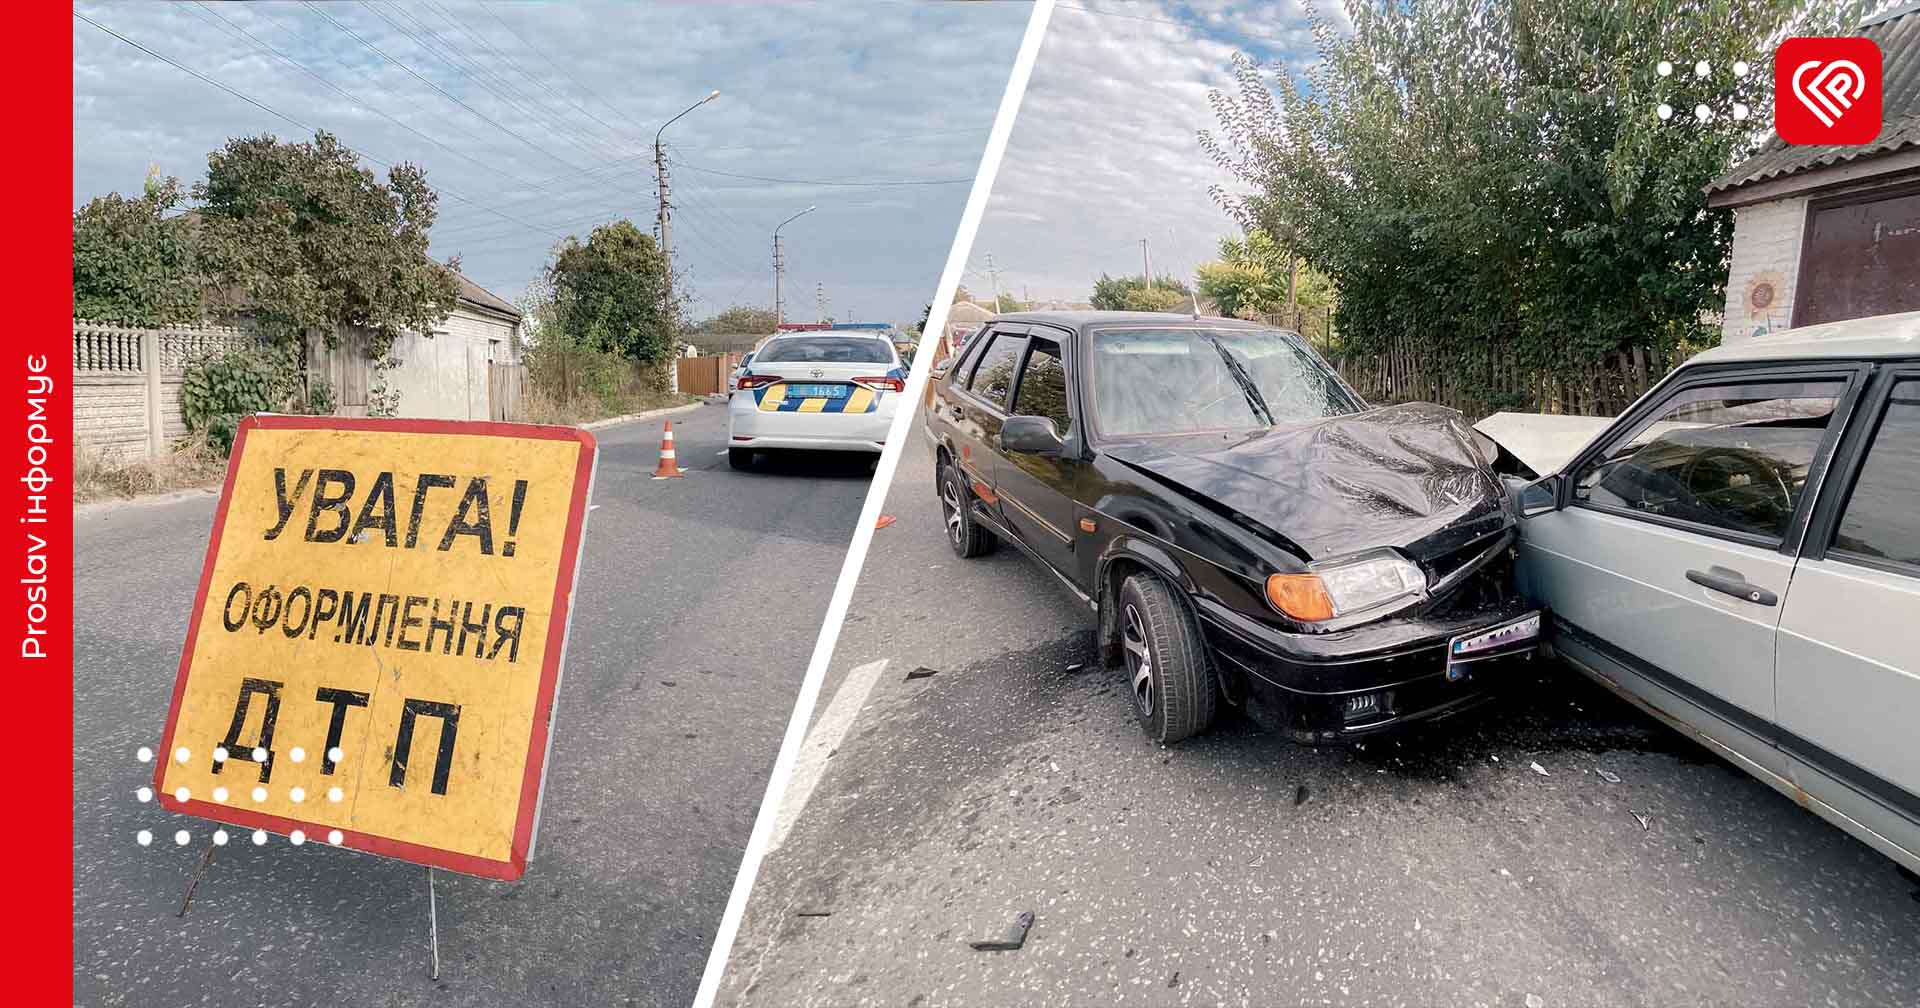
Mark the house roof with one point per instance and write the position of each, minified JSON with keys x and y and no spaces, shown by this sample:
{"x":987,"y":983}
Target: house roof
{"x":1897,"y":32}
{"x":476,"y":294}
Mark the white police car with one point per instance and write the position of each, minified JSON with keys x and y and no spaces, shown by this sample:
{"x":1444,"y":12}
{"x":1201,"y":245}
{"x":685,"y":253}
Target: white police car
{"x":822,"y":390}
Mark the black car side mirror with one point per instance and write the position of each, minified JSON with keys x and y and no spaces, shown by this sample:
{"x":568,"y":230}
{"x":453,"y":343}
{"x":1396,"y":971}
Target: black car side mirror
{"x":1031,"y":434}
{"x":1540,"y":496}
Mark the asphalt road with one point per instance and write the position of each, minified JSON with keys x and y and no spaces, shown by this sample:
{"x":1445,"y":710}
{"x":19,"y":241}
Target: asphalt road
{"x":1240,"y":869}
{"x":698,"y":603}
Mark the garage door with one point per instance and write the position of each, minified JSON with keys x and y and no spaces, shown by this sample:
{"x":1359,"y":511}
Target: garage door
{"x":1860,"y":259}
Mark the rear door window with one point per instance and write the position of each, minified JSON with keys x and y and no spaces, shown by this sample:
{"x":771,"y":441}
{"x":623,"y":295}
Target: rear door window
{"x":1733,"y":457}
{"x":993,"y":376}
{"x":1882,"y":518}
{"x":1043,"y":385}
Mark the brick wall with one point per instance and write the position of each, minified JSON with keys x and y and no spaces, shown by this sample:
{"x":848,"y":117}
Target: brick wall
{"x":1766,"y":248}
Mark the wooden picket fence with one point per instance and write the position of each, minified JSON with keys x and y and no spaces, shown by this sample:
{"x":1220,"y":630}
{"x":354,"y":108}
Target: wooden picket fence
{"x":1492,"y":380}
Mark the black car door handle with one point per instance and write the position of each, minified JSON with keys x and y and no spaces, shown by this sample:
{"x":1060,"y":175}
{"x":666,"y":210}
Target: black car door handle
{"x":1733,"y":583}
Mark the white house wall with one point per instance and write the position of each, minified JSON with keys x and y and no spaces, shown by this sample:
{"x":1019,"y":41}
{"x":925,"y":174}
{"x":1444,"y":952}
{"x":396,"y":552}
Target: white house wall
{"x":445,"y":377}
{"x":1766,"y":246}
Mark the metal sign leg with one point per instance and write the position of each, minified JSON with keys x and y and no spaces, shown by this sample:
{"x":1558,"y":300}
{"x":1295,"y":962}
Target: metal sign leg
{"x":433,"y":927}
{"x":194,"y":883}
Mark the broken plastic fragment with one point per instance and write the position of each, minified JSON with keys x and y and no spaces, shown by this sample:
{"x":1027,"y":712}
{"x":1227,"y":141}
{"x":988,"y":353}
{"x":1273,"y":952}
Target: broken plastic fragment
{"x":1542,"y":771}
{"x":1015,"y":937}
{"x":1608,"y":776}
{"x":922,"y":672}
{"x":1645,"y":823}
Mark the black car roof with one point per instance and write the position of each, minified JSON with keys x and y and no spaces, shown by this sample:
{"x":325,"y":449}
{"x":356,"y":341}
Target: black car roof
{"x":1083,"y":320}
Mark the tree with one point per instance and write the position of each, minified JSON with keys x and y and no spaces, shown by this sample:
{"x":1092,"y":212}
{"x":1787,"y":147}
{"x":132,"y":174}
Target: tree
{"x":1250,"y":281}
{"x":1491,"y":174}
{"x":739,"y":319}
{"x":300,"y":239}
{"x":610,"y":293}
{"x":132,"y":264}
{"x":1133,"y":293}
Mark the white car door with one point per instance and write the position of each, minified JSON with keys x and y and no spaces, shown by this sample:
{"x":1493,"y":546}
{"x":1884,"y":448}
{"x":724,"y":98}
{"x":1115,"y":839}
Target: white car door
{"x":1676,"y":538}
{"x":1849,"y":656}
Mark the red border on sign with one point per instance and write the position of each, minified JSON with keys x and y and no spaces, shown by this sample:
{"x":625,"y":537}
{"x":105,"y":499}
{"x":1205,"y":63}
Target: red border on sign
{"x":516,"y":864}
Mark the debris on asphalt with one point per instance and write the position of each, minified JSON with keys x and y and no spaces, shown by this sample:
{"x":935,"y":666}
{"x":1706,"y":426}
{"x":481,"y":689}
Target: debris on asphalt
{"x":1174,"y":980}
{"x":1536,"y":1001}
{"x":1257,"y":862}
{"x":1496,"y":759}
{"x":1076,"y":666}
{"x":1300,"y":796}
{"x":1608,"y":776}
{"x":814,"y":913}
{"x":1542,"y":771}
{"x":885,"y":520}
{"x":921,"y":673}
{"x":1015,"y":937}
{"x":1645,"y":823}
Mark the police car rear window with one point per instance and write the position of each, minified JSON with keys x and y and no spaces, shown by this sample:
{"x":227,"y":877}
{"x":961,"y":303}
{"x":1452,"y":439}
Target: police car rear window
{"x":826,"y":350}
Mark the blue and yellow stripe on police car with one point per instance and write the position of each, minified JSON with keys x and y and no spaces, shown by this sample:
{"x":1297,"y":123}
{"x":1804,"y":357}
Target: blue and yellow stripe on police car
{"x":774,"y":399}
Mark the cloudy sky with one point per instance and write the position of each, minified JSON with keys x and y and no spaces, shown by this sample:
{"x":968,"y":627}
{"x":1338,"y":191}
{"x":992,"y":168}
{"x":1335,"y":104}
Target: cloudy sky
{"x":536,"y":121}
{"x":1104,"y":151}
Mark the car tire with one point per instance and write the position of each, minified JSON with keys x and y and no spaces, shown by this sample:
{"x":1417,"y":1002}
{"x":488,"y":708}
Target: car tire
{"x":740,"y":458}
{"x":964,"y":535}
{"x":1169,"y":675}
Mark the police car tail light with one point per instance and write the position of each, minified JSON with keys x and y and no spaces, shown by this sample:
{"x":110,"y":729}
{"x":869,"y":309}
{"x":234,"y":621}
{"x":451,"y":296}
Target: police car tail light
{"x":882,"y":383}
{"x":748,"y":382}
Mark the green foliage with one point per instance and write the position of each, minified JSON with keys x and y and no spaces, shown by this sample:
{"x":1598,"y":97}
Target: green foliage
{"x":1491,"y":172}
{"x":383,"y":400}
{"x":217,"y":390}
{"x":739,"y":319}
{"x":299,"y":238}
{"x":131,"y":263}
{"x":610,"y":293}
{"x":1133,"y":293}
{"x":1250,"y":281}
{"x":320,"y":399}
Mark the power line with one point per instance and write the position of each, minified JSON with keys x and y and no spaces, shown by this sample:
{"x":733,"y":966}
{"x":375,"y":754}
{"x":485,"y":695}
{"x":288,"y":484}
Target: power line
{"x":443,"y":91}
{"x":442,"y":190}
{"x":452,"y":61}
{"x":269,"y":47}
{"x":826,"y":182}
{"x":515,"y":64}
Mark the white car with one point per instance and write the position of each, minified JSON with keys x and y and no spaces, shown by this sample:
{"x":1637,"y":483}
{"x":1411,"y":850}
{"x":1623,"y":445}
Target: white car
{"x":825,"y":390}
{"x":1739,"y":555}
{"x":733,"y":377}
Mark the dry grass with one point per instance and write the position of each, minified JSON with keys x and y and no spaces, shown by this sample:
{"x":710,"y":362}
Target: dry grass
{"x":542,"y":407}
{"x":97,"y":476}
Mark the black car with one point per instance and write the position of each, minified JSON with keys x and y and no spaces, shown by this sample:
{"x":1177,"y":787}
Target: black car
{"x":1243,"y":526}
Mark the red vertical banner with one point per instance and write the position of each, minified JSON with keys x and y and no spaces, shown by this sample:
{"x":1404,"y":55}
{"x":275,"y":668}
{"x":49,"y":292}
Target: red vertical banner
{"x":37,"y":512}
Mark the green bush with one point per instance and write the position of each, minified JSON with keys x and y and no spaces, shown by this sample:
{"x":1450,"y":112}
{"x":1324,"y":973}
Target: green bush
{"x":216,"y":391}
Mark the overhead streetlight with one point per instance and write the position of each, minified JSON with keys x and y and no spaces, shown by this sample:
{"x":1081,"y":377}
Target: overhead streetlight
{"x":780,"y":266}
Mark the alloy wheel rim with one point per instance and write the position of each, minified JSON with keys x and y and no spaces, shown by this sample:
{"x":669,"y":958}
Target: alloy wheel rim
{"x":1140,"y":660}
{"x":950,"y":503}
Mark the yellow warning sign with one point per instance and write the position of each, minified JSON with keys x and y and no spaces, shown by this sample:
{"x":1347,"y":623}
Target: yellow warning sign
{"x":374,"y":652}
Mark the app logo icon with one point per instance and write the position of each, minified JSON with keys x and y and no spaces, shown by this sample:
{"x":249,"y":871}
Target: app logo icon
{"x":1827,"y":90}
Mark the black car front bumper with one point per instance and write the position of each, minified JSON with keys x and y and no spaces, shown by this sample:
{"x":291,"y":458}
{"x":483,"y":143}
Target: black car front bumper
{"x":1334,"y":687}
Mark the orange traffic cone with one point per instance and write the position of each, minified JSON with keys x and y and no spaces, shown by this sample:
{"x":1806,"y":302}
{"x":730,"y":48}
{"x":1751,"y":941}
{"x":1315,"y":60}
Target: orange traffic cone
{"x":669,"y":467}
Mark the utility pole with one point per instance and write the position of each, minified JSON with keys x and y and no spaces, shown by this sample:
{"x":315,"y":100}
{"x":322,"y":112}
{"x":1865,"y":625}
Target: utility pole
{"x":820,"y":299}
{"x":1146,"y":265}
{"x":993,"y":274}
{"x":780,"y":266}
{"x":664,"y":222}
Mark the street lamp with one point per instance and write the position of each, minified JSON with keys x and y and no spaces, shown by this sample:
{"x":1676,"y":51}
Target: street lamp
{"x":660,"y":174}
{"x":780,"y":265}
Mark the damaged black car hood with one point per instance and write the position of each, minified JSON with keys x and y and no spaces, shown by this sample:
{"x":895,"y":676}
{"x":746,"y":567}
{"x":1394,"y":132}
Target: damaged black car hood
{"x":1403,"y":476}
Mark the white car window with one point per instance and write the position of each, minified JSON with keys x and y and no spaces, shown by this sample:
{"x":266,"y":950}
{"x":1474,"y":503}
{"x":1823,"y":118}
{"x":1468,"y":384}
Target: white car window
{"x":1733,"y":456}
{"x":1881,"y":521}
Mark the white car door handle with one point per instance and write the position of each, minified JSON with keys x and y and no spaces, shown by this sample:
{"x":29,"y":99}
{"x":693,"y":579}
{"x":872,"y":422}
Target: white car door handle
{"x":1734,"y":583}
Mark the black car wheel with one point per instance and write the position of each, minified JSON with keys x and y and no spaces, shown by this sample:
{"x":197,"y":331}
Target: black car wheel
{"x":1168,"y":674}
{"x":740,"y":458}
{"x":964,"y":534}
